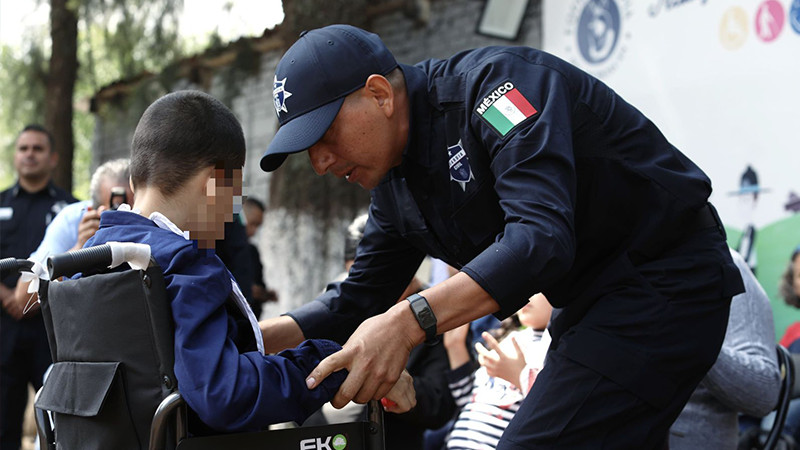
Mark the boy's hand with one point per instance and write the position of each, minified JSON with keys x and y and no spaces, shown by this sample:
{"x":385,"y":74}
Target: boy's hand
{"x":375,"y":356}
{"x":402,"y":397}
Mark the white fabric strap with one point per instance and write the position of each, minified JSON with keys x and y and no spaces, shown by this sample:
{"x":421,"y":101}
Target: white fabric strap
{"x":241,"y":302}
{"x":136,"y":255}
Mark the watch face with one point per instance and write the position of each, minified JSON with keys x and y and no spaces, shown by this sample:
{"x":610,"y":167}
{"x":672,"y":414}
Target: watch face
{"x":426,"y":317}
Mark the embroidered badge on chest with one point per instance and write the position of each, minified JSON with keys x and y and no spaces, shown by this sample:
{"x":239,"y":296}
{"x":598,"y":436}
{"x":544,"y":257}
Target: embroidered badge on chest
{"x":460,"y":171}
{"x":279,"y":95}
{"x":504,"y":108}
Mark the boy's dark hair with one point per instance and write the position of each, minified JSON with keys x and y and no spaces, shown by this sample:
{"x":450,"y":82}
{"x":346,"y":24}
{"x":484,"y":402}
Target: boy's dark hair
{"x":181,"y":133}
{"x":38,"y":128}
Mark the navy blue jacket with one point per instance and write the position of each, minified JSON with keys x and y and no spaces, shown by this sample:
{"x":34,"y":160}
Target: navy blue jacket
{"x":229,"y":387}
{"x":542,"y":205}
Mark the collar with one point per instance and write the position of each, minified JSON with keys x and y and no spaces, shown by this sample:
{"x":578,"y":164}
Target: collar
{"x":419,"y":129}
{"x":50,"y":189}
{"x":159,"y":219}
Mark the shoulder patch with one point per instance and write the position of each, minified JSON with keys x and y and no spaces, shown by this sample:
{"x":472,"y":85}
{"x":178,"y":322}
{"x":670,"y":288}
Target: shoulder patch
{"x":504,"y":108}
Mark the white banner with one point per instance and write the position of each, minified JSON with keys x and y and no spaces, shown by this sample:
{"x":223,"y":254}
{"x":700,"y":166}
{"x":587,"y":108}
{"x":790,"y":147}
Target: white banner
{"x":721,"y":79}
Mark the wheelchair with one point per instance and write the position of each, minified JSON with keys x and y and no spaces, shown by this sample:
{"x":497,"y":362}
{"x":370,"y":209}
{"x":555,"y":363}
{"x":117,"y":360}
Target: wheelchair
{"x":112,"y":384}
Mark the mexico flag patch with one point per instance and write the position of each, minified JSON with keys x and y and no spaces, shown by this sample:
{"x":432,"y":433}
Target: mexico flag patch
{"x":504,"y":108}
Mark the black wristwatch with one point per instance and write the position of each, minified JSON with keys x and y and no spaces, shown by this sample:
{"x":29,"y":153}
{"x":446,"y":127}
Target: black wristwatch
{"x":422,"y":311}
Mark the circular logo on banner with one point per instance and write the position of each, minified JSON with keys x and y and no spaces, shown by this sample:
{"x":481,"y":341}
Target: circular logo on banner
{"x":769,"y":20}
{"x":599,"y":35}
{"x":598,"y":30}
{"x":733,"y":28}
{"x":794,"y":16}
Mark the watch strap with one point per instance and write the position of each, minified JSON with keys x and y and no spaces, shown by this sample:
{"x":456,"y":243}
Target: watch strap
{"x":424,"y":315}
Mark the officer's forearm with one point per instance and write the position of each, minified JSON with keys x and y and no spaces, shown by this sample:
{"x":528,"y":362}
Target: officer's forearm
{"x":280,"y":333}
{"x":456,"y":301}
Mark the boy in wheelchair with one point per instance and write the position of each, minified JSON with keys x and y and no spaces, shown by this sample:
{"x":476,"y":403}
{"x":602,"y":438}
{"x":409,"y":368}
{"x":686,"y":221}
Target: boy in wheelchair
{"x":186,"y":159}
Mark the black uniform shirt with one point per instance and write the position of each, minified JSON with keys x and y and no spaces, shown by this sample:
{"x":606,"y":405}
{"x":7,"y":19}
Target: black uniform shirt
{"x":523,"y":171}
{"x":24,"y":216}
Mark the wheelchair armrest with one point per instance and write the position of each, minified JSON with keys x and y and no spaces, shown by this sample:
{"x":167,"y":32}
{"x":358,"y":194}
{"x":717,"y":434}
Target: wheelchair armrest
{"x":173,"y":406}
{"x":44,"y":428}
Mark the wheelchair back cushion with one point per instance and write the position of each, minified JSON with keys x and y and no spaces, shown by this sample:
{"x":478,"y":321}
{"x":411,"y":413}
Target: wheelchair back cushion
{"x":111,"y":337}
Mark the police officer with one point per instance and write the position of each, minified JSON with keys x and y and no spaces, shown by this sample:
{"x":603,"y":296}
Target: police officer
{"x":528,"y":175}
{"x":25,"y":211}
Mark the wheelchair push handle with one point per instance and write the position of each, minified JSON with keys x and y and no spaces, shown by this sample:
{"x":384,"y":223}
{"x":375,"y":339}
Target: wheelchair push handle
{"x":83,"y":260}
{"x":12,"y":265}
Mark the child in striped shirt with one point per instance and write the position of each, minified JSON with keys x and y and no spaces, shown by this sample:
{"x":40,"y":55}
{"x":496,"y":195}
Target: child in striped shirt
{"x":490,"y":396}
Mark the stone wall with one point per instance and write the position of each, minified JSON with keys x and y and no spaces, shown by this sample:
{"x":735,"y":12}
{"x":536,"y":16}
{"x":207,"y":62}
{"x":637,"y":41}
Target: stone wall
{"x":302,"y":239}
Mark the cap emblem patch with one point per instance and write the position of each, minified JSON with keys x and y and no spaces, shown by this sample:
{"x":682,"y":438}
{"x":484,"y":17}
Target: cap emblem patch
{"x":279,"y":95}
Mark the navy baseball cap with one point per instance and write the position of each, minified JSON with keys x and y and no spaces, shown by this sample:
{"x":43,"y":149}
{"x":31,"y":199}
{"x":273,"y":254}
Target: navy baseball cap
{"x":312,"y":80}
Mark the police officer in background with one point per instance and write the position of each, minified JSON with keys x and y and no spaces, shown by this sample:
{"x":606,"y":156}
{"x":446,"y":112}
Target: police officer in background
{"x":25,"y":211}
{"x":528,"y":175}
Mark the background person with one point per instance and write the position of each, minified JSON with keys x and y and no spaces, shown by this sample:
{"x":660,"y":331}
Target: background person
{"x":25,"y":211}
{"x":253,"y":211}
{"x":77,"y":222}
{"x":528,"y":175}
{"x":745,"y":379}
{"x":789,"y":289}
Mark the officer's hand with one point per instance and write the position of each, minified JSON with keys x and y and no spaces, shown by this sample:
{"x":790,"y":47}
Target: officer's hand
{"x":499,"y":363}
{"x":402,"y":397}
{"x":375,"y":355}
{"x":88,"y":226}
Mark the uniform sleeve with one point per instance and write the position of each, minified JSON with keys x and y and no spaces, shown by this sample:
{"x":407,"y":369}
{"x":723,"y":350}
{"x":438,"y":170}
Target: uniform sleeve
{"x":62,"y":233}
{"x":746,"y":377}
{"x":231,"y":391}
{"x":535,"y":179}
{"x":383,"y":267}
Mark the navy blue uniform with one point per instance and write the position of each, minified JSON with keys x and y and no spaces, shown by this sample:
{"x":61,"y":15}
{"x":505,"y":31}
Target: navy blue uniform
{"x":571,"y":192}
{"x":25,"y":354}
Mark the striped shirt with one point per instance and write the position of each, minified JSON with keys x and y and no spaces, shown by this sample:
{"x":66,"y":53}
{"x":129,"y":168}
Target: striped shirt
{"x":487,"y":403}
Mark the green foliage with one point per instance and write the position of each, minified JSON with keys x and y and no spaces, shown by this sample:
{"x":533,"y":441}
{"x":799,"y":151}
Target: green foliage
{"x":22,"y":85}
{"x":128,"y":37}
{"x":117,"y":39}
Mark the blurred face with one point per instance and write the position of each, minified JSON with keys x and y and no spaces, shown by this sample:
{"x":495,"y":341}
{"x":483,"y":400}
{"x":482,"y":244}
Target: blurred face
{"x":536,"y":313}
{"x":796,"y":275}
{"x":33,"y":158}
{"x":222,"y":192}
{"x":106,"y":187}
{"x":254,"y":217}
{"x":358,"y":146}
